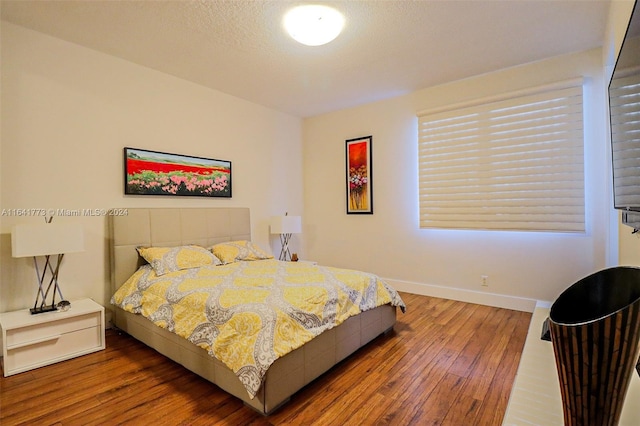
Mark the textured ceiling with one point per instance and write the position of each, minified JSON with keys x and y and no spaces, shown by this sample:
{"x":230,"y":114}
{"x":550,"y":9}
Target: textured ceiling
{"x":387,"y":48}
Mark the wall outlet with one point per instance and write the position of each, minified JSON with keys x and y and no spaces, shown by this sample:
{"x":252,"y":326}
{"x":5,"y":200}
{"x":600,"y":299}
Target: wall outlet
{"x":484,"y":280}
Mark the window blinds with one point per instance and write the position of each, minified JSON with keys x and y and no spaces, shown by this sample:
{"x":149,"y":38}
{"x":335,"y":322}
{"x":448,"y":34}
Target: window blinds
{"x":625,"y":138}
{"x":514,"y":164}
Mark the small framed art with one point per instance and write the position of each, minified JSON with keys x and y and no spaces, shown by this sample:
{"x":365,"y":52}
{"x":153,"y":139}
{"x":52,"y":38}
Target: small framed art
{"x":359,"y":183}
{"x":161,"y":173}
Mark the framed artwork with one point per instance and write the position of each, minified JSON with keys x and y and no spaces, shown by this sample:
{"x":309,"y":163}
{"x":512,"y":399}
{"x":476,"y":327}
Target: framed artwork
{"x":359,"y":183}
{"x":162,"y":173}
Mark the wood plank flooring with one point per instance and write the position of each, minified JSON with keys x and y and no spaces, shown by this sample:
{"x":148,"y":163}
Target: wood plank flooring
{"x":446,"y":363}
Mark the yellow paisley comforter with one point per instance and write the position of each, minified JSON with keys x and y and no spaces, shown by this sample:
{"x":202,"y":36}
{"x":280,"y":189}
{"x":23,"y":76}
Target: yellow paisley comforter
{"x":248,"y":314}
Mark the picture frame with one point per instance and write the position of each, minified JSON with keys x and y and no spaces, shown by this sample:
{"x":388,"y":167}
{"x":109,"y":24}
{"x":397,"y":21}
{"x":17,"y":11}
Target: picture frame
{"x":359,"y":183}
{"x":161,"y":173}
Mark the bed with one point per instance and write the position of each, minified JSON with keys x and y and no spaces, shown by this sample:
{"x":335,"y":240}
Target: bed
{"x":132,"y":228}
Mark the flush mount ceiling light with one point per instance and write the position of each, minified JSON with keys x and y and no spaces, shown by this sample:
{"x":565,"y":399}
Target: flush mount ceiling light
{"x":313,"y":25}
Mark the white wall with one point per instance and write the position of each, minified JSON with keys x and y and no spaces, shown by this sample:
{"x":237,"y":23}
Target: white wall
{"x":68,"y":111}
{"x":529,"y":265}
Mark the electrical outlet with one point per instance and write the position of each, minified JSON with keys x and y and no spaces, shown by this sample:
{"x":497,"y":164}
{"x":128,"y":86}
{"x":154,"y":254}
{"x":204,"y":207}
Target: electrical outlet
{"x":484,"y":280}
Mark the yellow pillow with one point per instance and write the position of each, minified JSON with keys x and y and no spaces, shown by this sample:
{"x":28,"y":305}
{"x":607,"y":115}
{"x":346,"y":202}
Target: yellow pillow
{"x":170,"y":259}
{"x":234,"y":251}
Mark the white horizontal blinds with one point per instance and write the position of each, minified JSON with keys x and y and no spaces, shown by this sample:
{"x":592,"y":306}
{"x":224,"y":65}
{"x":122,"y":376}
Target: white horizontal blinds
{"x":625,"y":136}
{"x":515,"y":164}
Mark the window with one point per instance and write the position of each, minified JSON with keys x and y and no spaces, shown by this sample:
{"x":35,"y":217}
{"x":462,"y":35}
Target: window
{"x":512,"y":164}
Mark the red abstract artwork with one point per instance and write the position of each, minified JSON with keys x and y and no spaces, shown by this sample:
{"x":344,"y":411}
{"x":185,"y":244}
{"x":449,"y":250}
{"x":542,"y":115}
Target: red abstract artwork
{"x":359,"y":184}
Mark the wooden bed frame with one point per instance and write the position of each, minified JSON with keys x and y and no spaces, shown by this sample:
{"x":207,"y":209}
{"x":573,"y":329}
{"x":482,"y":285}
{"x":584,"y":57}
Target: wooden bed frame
{"x":205,"y":227}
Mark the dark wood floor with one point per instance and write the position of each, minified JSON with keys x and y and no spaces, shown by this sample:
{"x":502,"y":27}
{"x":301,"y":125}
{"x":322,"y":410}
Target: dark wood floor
{"x":446,"y":363}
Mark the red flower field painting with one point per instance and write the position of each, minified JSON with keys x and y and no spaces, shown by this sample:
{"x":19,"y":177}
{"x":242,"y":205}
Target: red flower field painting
{"x":161,"y":173}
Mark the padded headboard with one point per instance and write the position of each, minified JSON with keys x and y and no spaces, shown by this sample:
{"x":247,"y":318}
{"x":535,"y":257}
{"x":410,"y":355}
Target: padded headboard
{"x":169,"y":227}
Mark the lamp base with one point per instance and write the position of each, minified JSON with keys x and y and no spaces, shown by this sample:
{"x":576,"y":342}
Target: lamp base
{"x":63,"y":305}
{"x":42,"y":309}
{"x":285,"y":254}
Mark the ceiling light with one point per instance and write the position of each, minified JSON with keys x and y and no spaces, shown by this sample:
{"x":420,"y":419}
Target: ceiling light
{"x":313,"y":25}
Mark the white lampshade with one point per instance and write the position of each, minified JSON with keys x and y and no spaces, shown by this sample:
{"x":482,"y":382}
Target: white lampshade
{"x":286,"y":225}
{"x":46,"y":239}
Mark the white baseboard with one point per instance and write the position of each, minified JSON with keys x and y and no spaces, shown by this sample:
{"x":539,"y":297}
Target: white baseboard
{"x":469,"y":296}
{"x":544,"y":304}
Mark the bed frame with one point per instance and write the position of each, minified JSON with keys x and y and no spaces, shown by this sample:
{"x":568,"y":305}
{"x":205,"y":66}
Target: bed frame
{"x":205,"y":227}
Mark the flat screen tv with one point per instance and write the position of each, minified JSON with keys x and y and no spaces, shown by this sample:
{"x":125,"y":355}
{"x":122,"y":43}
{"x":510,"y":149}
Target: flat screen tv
{"x":624,"y":104}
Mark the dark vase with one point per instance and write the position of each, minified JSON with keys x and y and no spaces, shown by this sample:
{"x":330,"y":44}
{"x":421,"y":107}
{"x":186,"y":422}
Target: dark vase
{"x":595,"y":331}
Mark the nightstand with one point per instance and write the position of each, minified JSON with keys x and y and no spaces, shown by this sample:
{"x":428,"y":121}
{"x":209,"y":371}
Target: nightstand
{"x":32,"y":341}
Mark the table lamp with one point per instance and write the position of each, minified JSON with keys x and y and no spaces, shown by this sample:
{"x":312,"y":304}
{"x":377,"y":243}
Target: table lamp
{"x":285,"y":226}
{"x":51,"y":240}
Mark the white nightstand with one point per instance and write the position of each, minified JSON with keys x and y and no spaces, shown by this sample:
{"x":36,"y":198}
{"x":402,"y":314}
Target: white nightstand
{"x":32,"y":341}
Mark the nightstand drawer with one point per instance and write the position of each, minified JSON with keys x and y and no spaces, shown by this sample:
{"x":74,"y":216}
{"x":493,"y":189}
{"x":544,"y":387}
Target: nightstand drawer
{"x":46,"y":331}
{"x":53,"y":349}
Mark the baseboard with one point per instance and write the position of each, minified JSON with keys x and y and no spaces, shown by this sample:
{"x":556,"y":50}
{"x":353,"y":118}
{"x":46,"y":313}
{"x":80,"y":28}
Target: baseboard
{"x":469,"y":296}
{"x":544,"y":304}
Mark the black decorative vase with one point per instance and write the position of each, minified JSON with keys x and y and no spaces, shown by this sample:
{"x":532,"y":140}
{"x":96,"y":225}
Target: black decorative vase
{"x":595,"y":331}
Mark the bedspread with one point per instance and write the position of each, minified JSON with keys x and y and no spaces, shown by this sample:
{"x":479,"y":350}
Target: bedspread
{"x":248,"y":314}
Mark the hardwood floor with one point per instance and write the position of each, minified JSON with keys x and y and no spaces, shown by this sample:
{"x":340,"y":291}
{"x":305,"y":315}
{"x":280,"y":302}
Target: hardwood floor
{"x":446,"y":363}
